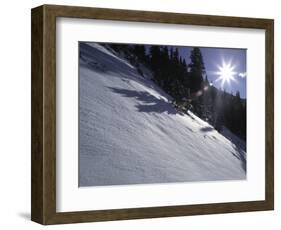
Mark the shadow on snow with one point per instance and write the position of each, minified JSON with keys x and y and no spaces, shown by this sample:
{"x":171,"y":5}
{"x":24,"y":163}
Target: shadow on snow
{"x":148,"y":103}
{"x":236,"y":143}
{"x":98,"y":61}
{"x":240,"y":149}
{"x":207,"y":129}
{"x":92,"y":58}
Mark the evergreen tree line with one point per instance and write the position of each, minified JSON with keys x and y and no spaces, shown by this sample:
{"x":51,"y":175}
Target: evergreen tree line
{"x":188,"y":84}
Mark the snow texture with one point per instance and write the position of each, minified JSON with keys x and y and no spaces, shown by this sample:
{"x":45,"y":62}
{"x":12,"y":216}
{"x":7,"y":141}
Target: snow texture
{"x":130,"y":132}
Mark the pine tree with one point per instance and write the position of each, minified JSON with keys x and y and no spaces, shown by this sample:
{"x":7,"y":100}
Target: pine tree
{"x":176,"y":56}
{"x":197,"y":69}
{"x":155,"y":60}
{"x":139,"y":51}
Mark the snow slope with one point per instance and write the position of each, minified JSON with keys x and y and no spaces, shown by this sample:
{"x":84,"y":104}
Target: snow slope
{"x":130,"y":133}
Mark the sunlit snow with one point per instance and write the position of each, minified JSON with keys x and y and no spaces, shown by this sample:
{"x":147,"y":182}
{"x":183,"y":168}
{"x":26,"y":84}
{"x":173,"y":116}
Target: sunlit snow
{"x":130,"y":132}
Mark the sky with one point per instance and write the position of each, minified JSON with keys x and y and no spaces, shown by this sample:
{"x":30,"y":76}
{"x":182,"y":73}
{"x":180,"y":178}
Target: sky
{"x":214,"y":58}
{"x":218,"y":61}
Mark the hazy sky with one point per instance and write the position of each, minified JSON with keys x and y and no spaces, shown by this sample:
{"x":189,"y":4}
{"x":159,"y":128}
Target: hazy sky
{"x":214,"y":57}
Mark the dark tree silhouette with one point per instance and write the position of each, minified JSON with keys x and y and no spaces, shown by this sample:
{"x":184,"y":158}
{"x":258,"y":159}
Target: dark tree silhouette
{"x":189,"y":85}
{"x":197,"y":69}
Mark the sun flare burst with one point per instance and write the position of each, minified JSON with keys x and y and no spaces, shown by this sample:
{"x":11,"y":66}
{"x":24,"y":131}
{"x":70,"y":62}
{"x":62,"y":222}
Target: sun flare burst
{"x":226,"y":73}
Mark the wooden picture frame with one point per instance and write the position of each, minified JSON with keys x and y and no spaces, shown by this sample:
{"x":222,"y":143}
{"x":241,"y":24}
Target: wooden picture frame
{"x":43,"y":189}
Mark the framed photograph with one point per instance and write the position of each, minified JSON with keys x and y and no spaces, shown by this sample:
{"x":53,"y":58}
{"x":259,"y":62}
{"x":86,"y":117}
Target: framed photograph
{"x":141,"y":114}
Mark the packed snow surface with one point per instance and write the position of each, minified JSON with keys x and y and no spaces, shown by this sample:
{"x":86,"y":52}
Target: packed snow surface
{"x":130,"y":132}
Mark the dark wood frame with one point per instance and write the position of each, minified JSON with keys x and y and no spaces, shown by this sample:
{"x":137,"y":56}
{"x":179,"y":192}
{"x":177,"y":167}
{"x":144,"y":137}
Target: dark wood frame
{"x":43,"y":160}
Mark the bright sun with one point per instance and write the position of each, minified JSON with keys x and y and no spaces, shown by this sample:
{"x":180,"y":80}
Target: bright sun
{"x":226,"y":73}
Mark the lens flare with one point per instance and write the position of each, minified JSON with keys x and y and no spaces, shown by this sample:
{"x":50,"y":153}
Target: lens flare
{"x":226,"y":73}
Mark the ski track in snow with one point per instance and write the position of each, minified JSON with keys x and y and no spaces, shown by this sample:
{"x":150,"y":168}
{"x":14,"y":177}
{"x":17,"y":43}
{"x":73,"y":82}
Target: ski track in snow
{"x":130,"y":132}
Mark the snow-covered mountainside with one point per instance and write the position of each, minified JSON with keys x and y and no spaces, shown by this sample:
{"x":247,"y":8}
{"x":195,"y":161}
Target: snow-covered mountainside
{"x":130,"y":132}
